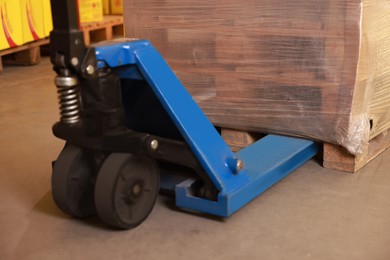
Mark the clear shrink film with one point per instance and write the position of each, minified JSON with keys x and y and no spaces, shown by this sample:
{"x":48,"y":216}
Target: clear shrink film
{"x":315,"y":69}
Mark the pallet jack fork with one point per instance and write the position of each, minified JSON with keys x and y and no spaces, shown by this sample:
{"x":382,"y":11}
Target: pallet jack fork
{"x":132,"y":130}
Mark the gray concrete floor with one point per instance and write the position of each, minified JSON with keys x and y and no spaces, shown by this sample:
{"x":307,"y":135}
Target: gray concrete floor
{"x":312,"y":214}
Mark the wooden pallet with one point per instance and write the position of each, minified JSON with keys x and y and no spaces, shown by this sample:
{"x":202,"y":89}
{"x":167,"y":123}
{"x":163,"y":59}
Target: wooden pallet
{"x":110,"y":27}
{"x":333,"y":156}
{"x":27,"y":54}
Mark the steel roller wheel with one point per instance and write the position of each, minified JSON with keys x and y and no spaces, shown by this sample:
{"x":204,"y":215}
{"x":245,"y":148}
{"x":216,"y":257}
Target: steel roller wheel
{"x":126,"y":189}
{"x":73,"y":182}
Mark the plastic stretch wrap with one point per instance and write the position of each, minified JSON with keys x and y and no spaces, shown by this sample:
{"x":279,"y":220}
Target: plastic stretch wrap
{"x":318,"y":69}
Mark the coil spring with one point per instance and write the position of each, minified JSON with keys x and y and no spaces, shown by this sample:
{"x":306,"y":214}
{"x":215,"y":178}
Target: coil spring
{"x":68,"y":96}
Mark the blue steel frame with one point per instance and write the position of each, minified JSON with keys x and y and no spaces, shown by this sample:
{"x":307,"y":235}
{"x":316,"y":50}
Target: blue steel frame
{"x":265,"y":162}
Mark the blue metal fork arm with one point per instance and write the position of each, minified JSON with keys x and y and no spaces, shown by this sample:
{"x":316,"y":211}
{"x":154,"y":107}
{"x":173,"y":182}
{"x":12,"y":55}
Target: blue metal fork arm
{"x":266,"y":162}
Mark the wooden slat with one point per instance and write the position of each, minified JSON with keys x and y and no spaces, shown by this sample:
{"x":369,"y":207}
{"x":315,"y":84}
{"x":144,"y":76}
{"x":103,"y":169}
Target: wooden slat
{"x":237,"y":139}
{"x":338,"y":158}
{"x":30,"y":56}
{"x":108,"y":20}
{"x":24,"y":47}
{"x":111,"y":26}
{"x":27,"y":54}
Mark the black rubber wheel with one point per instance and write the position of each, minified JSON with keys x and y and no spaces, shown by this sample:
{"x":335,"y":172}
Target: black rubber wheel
{"x":73,"y":182}
{"x":126,"y":189}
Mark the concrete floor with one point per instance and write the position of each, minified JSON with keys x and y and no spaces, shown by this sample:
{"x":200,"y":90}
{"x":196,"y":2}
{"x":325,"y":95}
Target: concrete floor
{"x":312,"y":214}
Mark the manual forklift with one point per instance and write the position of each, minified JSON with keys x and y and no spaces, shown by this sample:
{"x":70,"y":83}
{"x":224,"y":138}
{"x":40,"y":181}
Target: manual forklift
{"x":132,"y":130}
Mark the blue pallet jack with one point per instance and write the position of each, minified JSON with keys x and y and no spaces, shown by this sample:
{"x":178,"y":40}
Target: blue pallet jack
{"x":132,"y":130}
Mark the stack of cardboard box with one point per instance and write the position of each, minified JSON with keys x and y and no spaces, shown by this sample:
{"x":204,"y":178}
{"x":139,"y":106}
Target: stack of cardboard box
{"x":24,"y":21}
{"x":317,"y":69}
{"x":112,"y":6}
{"x":90,"y":10}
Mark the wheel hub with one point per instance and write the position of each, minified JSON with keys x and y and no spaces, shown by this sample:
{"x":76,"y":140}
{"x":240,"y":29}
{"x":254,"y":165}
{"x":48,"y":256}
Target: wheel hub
{"x":136,"y":190}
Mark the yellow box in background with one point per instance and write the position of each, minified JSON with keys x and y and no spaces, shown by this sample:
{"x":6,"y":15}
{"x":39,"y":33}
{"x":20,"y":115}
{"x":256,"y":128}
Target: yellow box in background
{"x":106,"y":6}
{"x":11,"y":24}
{"x":32,"y":20}
{"x":47,"y":18}
{"x":90,"y":11}
{"x":116,"y":6}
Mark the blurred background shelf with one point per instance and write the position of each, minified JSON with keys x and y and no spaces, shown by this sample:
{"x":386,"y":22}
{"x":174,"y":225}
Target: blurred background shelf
{"x":109,"y":28}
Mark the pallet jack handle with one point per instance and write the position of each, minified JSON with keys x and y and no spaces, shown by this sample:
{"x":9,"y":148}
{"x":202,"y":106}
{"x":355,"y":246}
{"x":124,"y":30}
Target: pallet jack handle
{"x":67,"y":47}
{"x":238,"y":177}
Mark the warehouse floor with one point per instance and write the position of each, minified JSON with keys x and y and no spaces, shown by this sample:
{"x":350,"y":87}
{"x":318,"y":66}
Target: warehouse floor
{"x":312,"y":214}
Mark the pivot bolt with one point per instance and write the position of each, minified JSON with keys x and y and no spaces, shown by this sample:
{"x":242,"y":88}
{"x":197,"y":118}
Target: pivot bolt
{"x":74,"y":61}
{"x":239,"y":165}
{"x":90,"y":69}
{"x":236,"y":165}
{"x":154,"y":144}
